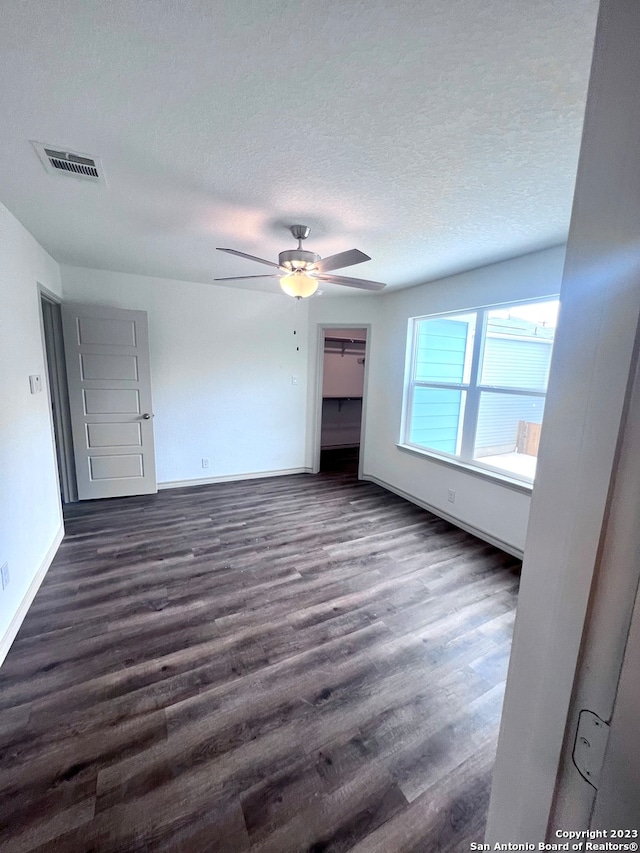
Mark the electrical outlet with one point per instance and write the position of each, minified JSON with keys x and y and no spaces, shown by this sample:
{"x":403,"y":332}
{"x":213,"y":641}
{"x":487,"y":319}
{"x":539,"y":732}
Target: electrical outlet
{"x":451,"y":496}
{"x":4,"y":571}
{"x":205,"y":461}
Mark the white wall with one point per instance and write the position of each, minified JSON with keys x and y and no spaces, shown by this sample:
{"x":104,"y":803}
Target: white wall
{"x":498,"y":512}
{"x":343,"y":374}
{"x":222,"y":361}
{"x":30,"y":513}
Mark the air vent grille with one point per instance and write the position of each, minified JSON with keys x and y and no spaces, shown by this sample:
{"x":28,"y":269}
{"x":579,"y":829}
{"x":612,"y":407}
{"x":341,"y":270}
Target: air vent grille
{"x":69,"y":162}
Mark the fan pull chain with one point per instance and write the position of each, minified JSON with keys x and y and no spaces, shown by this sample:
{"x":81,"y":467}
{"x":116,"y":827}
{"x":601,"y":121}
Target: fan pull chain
{"x":295,"y":323}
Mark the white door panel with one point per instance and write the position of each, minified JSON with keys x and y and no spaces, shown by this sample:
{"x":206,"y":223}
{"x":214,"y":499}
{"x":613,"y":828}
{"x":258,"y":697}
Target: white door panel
{"x":112,"y":331}
{"x":110,"y":401}
{"x":116,"y":467}
{"x":617,"y":804}
{"x":109,"y":379}
{"x":114,"y":435}
{"x":94,"y":366}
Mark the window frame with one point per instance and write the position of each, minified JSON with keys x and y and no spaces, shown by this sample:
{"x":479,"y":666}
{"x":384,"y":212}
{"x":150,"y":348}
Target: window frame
{"x":472,"y":390}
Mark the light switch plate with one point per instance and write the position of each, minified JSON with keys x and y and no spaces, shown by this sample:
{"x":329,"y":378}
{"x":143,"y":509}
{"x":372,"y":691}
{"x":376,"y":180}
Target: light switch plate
{"x":35,"y":383}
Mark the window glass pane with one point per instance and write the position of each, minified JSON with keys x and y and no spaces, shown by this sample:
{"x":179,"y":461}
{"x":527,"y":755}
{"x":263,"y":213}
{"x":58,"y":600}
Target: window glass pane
{"x":436,"y":419}
{"x":517,"y":347}
{"x":444,"y":346}
{"x":508,"y":432}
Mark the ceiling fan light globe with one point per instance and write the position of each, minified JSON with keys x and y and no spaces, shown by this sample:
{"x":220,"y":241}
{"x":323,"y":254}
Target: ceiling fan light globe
{"x":299,"y":284}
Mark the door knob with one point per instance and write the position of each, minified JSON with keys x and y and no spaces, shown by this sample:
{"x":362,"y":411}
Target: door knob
{"x":146,"y":416}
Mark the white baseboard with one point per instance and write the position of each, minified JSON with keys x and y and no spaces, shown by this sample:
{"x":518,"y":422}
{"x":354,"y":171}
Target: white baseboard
{"x":25,"y":604}
{"x":232,"y":478}
{"x":481,"y":534}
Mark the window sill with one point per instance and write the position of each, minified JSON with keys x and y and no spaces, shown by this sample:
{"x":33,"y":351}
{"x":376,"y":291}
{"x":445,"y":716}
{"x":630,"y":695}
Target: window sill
{"x":474,"y":470}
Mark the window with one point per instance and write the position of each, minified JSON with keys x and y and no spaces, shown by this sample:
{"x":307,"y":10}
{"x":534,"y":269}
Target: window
{"x":477,"y":385}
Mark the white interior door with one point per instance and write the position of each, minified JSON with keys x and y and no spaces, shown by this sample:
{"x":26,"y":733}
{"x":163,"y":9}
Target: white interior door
{"x":617,"y":804}
{"x":107,"y":355}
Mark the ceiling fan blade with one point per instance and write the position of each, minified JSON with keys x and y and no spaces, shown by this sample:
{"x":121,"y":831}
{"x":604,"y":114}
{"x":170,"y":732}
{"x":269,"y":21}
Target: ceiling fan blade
{"x":343,"y":259}
{"x":238,"y":277}
{"x":249,"y":257}
{"x":362,"y":283}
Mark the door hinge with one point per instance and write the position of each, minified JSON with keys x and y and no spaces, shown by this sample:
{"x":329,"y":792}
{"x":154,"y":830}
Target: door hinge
{"x":590,"y":745}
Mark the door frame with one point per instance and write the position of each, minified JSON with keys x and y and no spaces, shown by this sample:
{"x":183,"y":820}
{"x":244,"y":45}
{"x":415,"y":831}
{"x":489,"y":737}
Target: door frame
{"x":317,"y":419}
{"x":588,"y":388}
{"x":614,"y":594}
{"x":56,"y":384}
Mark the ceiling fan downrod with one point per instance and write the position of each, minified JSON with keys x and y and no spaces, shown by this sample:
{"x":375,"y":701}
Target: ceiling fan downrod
{"x":300,"y":233}
{"x":298,"y":259}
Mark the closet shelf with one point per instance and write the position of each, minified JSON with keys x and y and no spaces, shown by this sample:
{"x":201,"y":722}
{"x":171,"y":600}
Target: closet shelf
{"x":342,"y":400}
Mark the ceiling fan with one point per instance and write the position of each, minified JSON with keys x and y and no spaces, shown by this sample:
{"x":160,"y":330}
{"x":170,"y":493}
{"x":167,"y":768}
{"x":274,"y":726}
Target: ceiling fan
{"x":300,"y":271}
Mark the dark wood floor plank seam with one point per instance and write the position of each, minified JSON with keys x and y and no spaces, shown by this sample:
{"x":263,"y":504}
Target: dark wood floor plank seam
{"x":296,"y":663}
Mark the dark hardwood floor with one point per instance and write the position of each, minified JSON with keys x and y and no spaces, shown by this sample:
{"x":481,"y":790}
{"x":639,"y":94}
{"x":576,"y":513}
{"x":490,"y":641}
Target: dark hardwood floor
{"x":295,"y":664}
{"x":342,"y":459}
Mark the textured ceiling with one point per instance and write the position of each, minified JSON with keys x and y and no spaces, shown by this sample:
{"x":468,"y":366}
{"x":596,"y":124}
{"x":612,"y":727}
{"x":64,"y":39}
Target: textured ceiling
{"x":435,"y":135}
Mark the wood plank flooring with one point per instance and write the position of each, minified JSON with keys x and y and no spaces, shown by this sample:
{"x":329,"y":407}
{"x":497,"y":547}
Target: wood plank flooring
{"x":294,"y":664}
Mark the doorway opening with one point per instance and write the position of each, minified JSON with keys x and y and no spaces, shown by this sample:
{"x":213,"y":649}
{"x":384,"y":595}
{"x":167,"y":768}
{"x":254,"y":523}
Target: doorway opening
{"x":51,"y":314}
{"x":343,"y":382}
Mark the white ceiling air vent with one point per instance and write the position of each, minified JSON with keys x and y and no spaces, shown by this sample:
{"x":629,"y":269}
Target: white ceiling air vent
{"x":69,"y":163}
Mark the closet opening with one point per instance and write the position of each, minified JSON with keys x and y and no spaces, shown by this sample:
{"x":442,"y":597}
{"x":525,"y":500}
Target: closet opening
{"x":343,"y":381}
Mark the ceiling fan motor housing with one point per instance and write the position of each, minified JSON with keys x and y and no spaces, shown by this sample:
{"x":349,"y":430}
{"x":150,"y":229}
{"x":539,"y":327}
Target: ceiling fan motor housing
{"x":297,"y":259}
